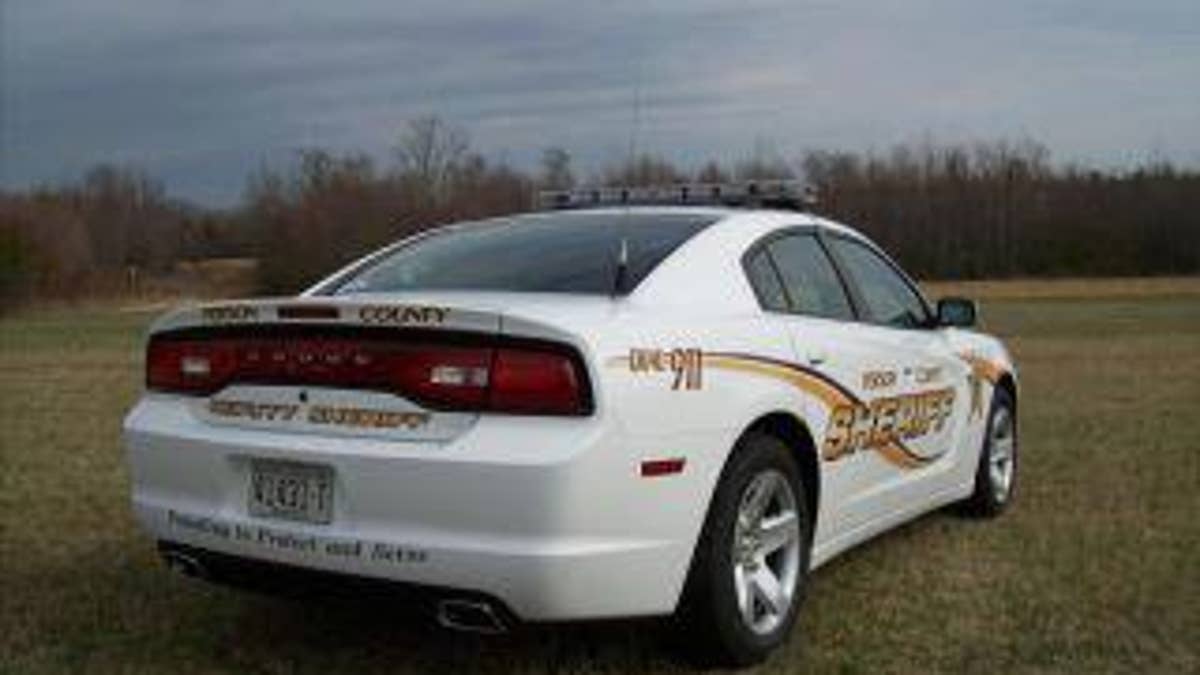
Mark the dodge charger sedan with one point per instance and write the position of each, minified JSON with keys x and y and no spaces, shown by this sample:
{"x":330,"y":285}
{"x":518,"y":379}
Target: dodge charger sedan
{"x":677,"y":401}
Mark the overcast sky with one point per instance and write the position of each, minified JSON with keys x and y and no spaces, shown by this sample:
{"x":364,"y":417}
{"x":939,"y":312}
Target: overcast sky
{"x":201,"y":92}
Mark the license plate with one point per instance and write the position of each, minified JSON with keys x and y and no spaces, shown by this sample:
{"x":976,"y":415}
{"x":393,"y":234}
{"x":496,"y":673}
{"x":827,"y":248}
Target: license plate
{"x":291,"y":491}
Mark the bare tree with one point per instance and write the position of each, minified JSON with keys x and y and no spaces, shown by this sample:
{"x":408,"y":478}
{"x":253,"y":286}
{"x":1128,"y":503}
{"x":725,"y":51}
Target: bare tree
{"x":556,"y":169}
{"x":644,"y":170}
{"x":946,"y":210}
{"x":712,"y":172}
{"x":429,"y":150}
{"x":763,"y":163}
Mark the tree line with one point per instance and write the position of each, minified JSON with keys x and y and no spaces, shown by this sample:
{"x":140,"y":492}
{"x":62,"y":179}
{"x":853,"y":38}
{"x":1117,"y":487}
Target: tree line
{"x":946,"y":211}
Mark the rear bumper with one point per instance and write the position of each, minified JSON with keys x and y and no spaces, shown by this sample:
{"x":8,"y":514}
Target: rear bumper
{"x":261,"y":576}
{"x":549,"y":517}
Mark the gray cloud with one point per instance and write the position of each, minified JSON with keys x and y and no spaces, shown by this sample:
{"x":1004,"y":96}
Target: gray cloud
{"x":203,"y":92}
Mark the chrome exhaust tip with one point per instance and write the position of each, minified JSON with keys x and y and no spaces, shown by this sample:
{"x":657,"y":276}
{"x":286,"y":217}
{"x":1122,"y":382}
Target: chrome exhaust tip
{"x":184,"y":564}
{"x":470,"y":616}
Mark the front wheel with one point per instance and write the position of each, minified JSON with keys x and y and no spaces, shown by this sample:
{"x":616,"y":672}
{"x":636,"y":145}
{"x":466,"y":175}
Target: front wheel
{"x":996,"y":475}
{"x":749,"y":570}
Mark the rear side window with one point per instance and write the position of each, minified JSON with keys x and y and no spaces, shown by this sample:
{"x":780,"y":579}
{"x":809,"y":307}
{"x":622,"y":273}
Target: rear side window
{"x":765,"y":280}
{"x":568,"y":252}
{"x":811,"y":282}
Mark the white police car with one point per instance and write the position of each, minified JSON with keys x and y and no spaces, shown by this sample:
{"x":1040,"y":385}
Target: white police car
{"x":594,"y":411}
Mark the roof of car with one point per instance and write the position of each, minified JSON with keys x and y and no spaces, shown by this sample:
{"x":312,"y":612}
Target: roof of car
{"x":725,"y":216}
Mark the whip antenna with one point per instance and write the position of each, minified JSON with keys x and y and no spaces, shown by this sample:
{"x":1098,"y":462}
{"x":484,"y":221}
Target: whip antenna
{"x":622,"y":266}
{"x":636,"y":122}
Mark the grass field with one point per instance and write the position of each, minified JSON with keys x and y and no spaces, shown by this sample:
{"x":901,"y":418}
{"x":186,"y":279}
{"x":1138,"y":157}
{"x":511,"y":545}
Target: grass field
{"x":1096,"y":568}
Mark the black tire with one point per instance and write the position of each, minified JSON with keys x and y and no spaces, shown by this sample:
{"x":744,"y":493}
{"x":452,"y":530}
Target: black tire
{"x":710,"y":626}
{"x":988,"y":499}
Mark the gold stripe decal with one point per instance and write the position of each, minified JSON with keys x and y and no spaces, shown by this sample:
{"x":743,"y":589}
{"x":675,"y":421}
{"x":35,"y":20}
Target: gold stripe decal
{"x":982,"y":367}
{"x":881,"y":425}
{"x":982,"y":370}
{"x":811,"y":383}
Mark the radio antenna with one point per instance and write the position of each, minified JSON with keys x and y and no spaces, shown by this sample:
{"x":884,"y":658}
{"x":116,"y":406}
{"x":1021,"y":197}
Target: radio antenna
{"x":622,"y":266}
{"x":636,"y":121}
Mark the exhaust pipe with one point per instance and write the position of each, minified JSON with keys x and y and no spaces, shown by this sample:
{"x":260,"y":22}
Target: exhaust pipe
{"x":184,"y":564}
{"x":471,"y":616}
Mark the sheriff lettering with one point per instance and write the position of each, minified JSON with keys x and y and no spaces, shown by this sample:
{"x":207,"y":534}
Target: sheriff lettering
{"x":861,"y":426}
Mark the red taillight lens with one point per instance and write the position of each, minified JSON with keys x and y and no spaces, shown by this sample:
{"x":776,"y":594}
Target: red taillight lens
{"x":517,"y":380}
{"x":454,"y":378}
{"x":535,"y":383}
{"x":190,"y":366}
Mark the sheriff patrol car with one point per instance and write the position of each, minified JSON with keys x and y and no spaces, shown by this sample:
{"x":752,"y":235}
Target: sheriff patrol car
{"x":606,"y":409}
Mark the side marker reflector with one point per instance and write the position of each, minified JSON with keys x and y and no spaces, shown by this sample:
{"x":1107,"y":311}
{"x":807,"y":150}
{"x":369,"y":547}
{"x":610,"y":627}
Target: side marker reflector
{"x":662,"y":467}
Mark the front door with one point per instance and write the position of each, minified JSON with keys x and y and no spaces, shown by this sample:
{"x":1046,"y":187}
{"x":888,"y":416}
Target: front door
{"x":912,"y":395}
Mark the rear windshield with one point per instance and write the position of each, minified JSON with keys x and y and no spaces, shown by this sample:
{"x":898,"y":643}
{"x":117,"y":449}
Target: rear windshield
{"x":539,"y":253}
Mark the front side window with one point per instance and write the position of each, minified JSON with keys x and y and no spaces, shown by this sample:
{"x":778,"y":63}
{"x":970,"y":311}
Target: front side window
{"x":570,"y":252}
{"x":889,"y":299}
{"x":811,"y":282}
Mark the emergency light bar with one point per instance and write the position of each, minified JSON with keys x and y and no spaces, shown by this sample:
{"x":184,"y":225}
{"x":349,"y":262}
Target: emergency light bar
{"x":771,"y":194}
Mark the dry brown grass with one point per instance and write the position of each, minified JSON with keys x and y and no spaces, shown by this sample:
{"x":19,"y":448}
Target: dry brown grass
{"x":1093,"y":570}
{"x":132,"y":290}
{"x":1067,"y":288}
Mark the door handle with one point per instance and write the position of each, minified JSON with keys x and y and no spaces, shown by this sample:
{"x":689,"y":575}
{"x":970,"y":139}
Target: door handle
{"x":817,"y":358}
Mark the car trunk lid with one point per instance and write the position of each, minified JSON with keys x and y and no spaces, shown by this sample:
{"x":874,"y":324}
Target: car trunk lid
{"x":380,"y":367}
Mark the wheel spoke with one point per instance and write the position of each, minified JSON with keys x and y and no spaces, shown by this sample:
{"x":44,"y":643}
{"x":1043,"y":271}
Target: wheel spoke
{"x":779,"y":531}
{"x":766,"y":551}
{"x":1002,"y":449}
{"x":756,"y":499}
{"x":745,"y":595}
{"x":996,"y":473}
{"x":1002,"y":452}
{"x":767,"y":589}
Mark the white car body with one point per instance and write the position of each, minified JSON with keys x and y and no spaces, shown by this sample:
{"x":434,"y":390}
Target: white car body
{"x":564,"y":518}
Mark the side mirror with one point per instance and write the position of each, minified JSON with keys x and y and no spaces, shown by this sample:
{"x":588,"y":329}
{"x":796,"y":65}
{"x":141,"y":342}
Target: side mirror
{"x":957,"y":312}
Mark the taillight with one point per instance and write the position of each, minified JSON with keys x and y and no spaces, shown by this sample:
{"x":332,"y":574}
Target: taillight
{"x":189,"y":366}
{"x":536,"y":383}
{"x":454,"y":378}
{"x":526,"y":380}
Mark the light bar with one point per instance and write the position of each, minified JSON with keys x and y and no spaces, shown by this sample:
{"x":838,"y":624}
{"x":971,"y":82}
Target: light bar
{"x":776,"y":194}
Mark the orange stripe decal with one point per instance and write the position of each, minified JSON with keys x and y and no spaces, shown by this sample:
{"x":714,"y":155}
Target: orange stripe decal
{"x":832,"y":395}
{"x":881,"y":425}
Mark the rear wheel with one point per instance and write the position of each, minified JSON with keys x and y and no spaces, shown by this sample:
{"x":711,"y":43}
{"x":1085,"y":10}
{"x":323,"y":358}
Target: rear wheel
{"x":996,"y":474}
{"x":748,"y":574}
